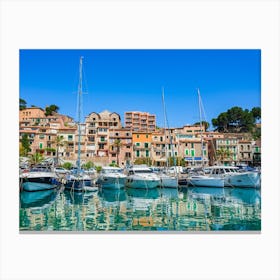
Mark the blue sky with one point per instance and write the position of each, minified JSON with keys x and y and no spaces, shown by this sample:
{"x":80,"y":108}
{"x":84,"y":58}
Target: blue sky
{"x":132,"y":80}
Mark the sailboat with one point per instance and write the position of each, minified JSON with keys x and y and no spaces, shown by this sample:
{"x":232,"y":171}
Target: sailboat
{"x":167,"y":180}
{"x":79,"y":181}
{"x":204,"y":180}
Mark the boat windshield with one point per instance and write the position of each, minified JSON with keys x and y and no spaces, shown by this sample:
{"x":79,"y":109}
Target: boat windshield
{"x":143,"y":171}
{"x":111,"y":171}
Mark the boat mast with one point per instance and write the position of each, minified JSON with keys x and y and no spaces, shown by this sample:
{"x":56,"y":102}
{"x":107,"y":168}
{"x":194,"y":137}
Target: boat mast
{"x":200,"y":117}
{"x":79,"y":114}
{"x":165,"y":125}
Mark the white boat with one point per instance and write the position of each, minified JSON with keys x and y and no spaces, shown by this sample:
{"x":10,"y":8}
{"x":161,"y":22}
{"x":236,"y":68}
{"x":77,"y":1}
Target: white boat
{"x":233,"y":177}
{"x":142,"y":177}
{"x":168,"y":181}
{"x":112,"y":178}
{"x":78,"y":182}
{"x":36,"y":180}
{"x":205,"y":181}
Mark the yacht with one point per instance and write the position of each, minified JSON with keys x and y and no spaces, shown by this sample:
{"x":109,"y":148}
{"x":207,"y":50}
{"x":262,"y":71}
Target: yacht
{"x":205,"y":181}
{"x":38,"y":179}
{"x":168,"y":181}
{"x":112,"y":178}
{"x":142,"y":177}
{"x":233,"y":177}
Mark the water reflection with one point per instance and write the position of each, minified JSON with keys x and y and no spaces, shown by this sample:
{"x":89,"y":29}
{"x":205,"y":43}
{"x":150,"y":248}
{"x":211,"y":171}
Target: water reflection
{"x":37,"y":199}
{"x":188,"y":209}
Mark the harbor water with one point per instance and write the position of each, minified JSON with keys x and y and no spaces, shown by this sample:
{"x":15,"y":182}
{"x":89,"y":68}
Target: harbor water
{"x":131,"y":210}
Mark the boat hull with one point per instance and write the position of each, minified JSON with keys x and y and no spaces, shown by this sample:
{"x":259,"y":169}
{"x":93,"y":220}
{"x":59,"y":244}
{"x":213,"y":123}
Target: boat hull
{"x":249,"y":180}
{"x":168,"y":182}
{"x":203,"y":181}
{"x":77,"y":185}
{"x":37,"y":186}
{"x":111,"y":182}
{"x":142,"y":183}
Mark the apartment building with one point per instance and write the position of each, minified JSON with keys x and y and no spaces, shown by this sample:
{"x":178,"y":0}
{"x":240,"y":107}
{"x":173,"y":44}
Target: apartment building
{"x":120,"y":146}
{"x":31,"y":113}
{"x":226,"y":150}
{"x":256,"y":148}
{"x":140,"y":121}
{"x":141,"y":145}
{"x":97,"y":127}
{"x":245,"y":152}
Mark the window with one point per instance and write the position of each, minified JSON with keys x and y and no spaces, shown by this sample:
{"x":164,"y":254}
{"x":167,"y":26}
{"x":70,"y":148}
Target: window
{"x":192,"y":145}
{"x":147,"y":136}
{"x":137,"y":153}
{"x":137,"y":135}
{"x":192,"y":152}
{"x":137,"y":144}
{"x":117,"y":134}
{"x":146,"y":145}
{"x":42,"y":136}
{"x":147,"y":153}
{"x":41,"y":145}
{"x":161,"y":139}
{"x":70,"y":137}
{"x":227,"y":142}
{"x":102,"y":138}
{"x":186,"y":152}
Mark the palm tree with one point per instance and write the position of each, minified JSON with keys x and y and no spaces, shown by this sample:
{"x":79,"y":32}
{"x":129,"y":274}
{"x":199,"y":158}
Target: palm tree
{"x":117,"y":144}
{"x":224,"y":154}
{"x":59,"y":142}
{"x":36,"y":158}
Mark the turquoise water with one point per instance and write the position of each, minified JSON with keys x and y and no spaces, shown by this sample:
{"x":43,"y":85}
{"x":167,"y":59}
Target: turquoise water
{"x":188,"y":209}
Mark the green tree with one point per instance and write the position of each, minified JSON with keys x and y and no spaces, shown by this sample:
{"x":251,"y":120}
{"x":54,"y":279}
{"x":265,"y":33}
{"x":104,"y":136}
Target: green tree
{"x":25,"y":145}
{"x":236,"y":120}
{"x":59,"y":142}
{"x":221,"y":123}
{"x":36,"y":158}
{"x":256,"y":111}
{"x":117,"y":147}
{"x":49,"y":110}
{"x":223,"y":155}
{"x":67,"y":165}
{"x":247,"y":121}
{"x":88,"y":165}
{"x":234,"y":115}
{"x":22,"y":104}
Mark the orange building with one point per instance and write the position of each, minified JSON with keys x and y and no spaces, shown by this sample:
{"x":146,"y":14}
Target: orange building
{"x":141,"y":145}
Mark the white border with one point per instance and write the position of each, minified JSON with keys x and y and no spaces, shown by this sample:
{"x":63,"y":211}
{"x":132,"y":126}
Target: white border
{"x":154,"y":24}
